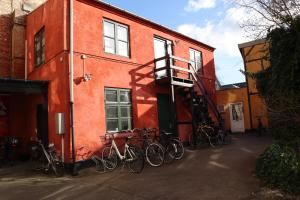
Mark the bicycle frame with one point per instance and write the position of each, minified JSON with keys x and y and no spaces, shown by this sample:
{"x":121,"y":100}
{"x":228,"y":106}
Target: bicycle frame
{"x":46,"y":154}
{"x":126,"y":150}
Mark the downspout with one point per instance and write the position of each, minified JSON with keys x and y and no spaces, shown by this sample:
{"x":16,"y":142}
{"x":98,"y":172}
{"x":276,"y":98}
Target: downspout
{"x":71,"y":75}
{"x":25,"y":70}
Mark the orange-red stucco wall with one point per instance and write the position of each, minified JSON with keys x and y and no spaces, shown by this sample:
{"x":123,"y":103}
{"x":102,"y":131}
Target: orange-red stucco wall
{"x":135,"y":73}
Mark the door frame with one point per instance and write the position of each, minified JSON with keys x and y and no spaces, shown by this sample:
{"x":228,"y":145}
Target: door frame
{"x":230,"y":114}
{"x":172,"y":122}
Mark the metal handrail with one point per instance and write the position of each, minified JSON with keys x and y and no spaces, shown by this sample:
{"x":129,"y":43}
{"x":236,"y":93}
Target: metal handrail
{"x":192,"y":71}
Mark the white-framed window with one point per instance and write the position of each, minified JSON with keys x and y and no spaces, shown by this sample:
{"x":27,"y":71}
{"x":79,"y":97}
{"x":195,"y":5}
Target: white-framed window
{"x":116,"y":38}
{"x":118,"y":109}
{"x":196,"y":59}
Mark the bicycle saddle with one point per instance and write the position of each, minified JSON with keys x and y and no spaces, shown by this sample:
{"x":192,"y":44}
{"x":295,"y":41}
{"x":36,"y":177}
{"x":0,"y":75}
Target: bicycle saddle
{"x":166,"y":133}
{"x":51,"y":145}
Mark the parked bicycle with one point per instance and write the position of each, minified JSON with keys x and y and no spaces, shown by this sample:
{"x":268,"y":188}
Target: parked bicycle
{"x":8,"y":150}
{"x":207,"y":134}
{"x":173,"y":145}
{"x":51,"y":161}
{"x":153,"y":151}
{"x":132,"y":155}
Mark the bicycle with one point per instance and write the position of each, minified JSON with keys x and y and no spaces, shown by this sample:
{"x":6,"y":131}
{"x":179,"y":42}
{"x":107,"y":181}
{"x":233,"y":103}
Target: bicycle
{"x":172,"y":143}
{"x":132,"y":156}
{"x":153,"y":151}
{"x":206,"y":134}
{"x":54,"y":163}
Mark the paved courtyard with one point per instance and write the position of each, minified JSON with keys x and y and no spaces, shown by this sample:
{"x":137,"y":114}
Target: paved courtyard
{"x":225,"y":173}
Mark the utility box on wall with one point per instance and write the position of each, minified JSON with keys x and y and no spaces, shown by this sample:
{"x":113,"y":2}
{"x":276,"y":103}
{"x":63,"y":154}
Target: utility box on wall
{"x":60,"y":123}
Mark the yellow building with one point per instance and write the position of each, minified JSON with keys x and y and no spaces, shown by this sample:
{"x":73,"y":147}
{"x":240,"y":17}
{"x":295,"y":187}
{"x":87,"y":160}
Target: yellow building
{"x":255,"y":56}
{"x":240,"y":104}
{"x":233,"y":105}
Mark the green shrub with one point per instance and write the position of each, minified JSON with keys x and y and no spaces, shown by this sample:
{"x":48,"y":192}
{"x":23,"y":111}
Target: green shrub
{"x":280,"y":167}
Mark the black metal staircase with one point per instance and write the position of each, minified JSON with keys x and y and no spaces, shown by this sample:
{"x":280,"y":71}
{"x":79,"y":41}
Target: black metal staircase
{"x":191,"y":87}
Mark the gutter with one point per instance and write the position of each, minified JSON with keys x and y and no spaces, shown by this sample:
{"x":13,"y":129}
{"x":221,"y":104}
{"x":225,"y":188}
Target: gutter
{"x":71,"y":85}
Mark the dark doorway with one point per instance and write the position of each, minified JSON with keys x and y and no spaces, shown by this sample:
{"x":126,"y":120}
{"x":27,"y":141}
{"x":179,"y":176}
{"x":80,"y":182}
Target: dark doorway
{"x":42,"y":123}
{"x":165,"y":116}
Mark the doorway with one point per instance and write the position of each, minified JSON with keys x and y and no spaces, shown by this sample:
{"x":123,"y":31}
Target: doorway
{"x":42,"y":123}
{"x":237,"y":117}
{"x":165,"y":118}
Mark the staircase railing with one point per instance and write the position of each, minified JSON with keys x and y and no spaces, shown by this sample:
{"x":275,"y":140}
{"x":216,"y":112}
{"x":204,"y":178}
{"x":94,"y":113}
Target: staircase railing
{"x":204,"y":92}
{"x":193,"y":76}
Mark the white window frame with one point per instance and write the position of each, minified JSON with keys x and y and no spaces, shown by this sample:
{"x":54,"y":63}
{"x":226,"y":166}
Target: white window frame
{"x":197,"y":65}
{"x":115,"y":38}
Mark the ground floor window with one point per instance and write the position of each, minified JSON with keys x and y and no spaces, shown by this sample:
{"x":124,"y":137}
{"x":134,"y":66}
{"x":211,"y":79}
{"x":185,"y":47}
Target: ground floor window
{"x":118,"y":109}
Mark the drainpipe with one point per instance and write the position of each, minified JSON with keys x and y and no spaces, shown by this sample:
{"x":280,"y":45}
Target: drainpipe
{"x":25,"y":70}
{"x":71,"y":75}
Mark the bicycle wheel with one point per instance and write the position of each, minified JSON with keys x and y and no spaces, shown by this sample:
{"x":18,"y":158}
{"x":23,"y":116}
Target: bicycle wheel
{"x":216,"y":141}
{"x":170,"y":152}
{"x":135,"y":159}
{"x":109,"y":158}
{"x":155,"y":154}
{"x":195,"y":141}
{"x":56,"y":164}
{"x":59,"y":168}
{"x":179,"y":149}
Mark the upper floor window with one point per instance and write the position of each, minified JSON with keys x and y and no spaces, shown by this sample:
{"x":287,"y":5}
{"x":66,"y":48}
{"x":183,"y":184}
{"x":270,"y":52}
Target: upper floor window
{"x":118,"y":109}
{"x":196,"y":59}
{"x":39,"y":47}
{"x":116,"y":38}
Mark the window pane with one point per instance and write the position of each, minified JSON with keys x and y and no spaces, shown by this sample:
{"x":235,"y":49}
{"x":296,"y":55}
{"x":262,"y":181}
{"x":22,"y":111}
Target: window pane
{"x":198,"y":60}
{"x":122,"y":33}
{"x":109,"y":29}
{"x":43,"y":41}
{"x":125,"y":124}
{"x":192,"y":55}
{"x":42,"y":57}
{"x":125,"y":112}
{"x":111,"y":96}
{"x":112,"y":112}
{"x":109,"y":45}
{"x":124,"y":96}
{"x":194,"y":65}
{"x":122,"y":48}
{"x":37,"y":46}
{"x":112,"y":125}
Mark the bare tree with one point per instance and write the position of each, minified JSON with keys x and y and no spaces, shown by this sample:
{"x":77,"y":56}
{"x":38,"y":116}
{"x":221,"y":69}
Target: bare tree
{"x":266,"y":15}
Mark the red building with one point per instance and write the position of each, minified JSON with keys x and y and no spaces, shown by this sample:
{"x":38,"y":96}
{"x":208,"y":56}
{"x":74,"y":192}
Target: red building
{"x":108,"y":70}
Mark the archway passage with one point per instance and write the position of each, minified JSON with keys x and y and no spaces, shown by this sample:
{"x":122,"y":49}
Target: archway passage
{"x":23,"y":115}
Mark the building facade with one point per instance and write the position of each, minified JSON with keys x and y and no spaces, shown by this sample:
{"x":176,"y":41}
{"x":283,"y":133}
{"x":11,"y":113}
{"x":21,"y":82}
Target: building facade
{"x":255,"y":56}
{"x":232,"y":101}
{"x":96,"y":68}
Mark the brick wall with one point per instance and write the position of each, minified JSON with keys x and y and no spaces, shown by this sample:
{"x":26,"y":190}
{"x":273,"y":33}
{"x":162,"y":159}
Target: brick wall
{"x":5,"y":38}
{"x":12,"y":36}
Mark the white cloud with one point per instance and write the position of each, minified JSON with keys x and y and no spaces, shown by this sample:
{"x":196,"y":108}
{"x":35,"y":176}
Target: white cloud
{"x":195,"y":5}
{"x":224,"y":34}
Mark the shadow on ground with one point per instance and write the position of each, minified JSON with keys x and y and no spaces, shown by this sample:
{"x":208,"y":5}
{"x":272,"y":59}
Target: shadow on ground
{"x":224,"y":173}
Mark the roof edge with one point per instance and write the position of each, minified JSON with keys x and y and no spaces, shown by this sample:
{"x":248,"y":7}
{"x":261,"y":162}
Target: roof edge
{"x":154,"y":23}
{"x":252,"y":43}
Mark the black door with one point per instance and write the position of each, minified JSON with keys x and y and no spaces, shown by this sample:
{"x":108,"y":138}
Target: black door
{"x":165,"y":116}
{"x":42,"y":123}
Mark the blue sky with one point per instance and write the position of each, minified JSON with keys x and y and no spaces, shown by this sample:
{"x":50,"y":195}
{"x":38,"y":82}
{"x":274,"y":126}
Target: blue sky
{"x":215,"y":22}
